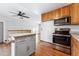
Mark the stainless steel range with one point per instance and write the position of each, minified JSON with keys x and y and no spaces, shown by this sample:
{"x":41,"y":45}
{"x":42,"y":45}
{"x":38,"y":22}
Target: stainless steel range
{"x":61,"y":39}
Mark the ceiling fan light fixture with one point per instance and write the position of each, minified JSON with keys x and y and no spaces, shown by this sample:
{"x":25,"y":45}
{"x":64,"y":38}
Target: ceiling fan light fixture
{"x":21,"y":14}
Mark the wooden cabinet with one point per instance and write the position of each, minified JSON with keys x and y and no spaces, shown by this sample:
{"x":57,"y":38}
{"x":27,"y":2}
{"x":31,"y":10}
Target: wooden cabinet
{"x":49,"y":16}
{"x":53,"y":14}
{"x":70,"y":10}
{"x":74,"y":13}
{"x":65,"y":11}
{"x":74,"y":47}
{"x":44,"y":17}
{"x":57,"y":13}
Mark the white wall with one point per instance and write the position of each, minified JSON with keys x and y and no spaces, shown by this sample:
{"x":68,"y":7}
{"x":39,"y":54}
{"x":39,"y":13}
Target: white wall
{"x":11,"y":23}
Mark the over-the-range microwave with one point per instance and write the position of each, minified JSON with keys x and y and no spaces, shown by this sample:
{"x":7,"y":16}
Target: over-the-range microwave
{"x":62,"y":21}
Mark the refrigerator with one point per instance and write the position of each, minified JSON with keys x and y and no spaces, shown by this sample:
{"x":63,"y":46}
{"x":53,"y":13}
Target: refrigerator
{"x":47,"y":29}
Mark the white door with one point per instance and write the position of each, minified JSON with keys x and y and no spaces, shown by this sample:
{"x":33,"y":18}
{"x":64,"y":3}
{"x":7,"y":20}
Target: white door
{"x":1,"y":32}
{"x":47,"y":28}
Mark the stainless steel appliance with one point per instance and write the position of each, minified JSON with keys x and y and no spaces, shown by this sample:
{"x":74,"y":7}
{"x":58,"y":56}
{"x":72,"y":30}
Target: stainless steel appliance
{"x":62,"y":21}
{"x":61,"y":39}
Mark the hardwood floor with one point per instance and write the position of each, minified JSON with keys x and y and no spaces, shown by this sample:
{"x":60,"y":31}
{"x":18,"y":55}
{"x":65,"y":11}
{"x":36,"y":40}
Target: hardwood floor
{"x":5,"y":49}
{"x":46,"y":49}
{"x":43,"y":49}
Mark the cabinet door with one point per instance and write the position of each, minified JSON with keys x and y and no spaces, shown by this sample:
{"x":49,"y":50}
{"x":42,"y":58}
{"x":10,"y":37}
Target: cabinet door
{"x":26,"y":46}
{"x":74,"y":47}
{"x":65,"y":11}
{"x":73,"y":53}
{"x":58,"y":13}
{"x":21,"y":48}
{"x":49,"y":16}
{"x":44,"y":17}
{"x":74,"y":12}
{"x":53,"y":14}
{"x":31,"y":44}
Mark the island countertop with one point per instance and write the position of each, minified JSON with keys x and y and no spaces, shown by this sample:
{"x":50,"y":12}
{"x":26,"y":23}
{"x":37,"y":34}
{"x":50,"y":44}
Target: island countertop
{"x":20,"y":39}
{"x":13,"y":36}
{"x":21,"y":34}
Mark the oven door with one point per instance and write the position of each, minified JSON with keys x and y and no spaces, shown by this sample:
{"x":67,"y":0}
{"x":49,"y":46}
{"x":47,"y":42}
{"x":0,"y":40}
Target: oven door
{"x":63,"y":40}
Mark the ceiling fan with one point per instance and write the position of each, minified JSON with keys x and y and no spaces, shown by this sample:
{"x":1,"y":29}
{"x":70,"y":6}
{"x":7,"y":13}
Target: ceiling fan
{"x":20,"y":14}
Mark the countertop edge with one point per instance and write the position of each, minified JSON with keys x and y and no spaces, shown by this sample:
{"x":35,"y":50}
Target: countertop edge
{"x":76,"y":36}
{"x":22,"y":34}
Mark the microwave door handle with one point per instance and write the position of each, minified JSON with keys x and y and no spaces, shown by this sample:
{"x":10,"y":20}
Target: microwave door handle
{"x":66,"y":20}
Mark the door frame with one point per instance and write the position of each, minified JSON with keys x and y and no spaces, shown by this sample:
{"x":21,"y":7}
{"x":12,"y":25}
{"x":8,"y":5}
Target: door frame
{"x":3,"y":29}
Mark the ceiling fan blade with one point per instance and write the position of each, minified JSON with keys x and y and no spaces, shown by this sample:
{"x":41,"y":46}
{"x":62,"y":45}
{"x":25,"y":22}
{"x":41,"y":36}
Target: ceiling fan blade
{"x":26,"y":16}
{"x":12,"y":12}
{"x":14,"y":15}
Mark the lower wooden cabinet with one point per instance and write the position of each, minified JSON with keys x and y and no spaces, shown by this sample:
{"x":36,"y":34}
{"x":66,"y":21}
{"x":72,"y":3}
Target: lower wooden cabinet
{"x":74,"y":47}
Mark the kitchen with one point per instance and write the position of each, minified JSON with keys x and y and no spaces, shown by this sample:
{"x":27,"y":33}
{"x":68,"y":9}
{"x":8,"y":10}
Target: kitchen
{"x":57,"y":28}
{"x":66,"y":25}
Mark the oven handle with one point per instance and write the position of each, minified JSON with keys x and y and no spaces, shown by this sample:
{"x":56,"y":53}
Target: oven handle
{"x":62,"y":35}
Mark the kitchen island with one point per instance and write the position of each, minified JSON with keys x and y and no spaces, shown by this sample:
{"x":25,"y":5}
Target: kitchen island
{"x":22,"y":44}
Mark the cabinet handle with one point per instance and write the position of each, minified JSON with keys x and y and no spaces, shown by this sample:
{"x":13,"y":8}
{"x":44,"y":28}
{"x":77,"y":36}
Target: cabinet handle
{"x":27,"y":48}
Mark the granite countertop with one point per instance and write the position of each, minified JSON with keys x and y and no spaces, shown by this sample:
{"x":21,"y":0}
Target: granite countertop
{"x":21,"y":34}
{"x":75,"y":35}
{"x":12,"y":36}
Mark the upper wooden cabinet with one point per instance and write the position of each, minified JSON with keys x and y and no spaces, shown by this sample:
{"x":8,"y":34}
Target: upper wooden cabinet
{"x":65,"y":11}
{"x":44,"y":17}
{"x":58,"y":13}
{"x":70,"y":10}
{"x":74,"y":13}
{"x":49,"y":15}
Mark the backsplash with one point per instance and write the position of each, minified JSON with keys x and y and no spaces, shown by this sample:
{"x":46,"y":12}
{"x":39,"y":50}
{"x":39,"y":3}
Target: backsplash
{"x":74,"y":28}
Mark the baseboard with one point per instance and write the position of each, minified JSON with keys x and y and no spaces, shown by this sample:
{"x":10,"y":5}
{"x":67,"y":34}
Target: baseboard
{"x":46,"y":42}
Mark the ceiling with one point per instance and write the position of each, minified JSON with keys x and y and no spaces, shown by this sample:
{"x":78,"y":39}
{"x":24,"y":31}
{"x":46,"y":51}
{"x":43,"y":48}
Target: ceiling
{"x":33,"y":10}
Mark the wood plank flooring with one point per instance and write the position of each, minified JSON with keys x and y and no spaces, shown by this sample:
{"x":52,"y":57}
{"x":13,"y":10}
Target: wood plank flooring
{"x":46,"y":49}
{"x":5,"y":49}
{"x":43,"y":49}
